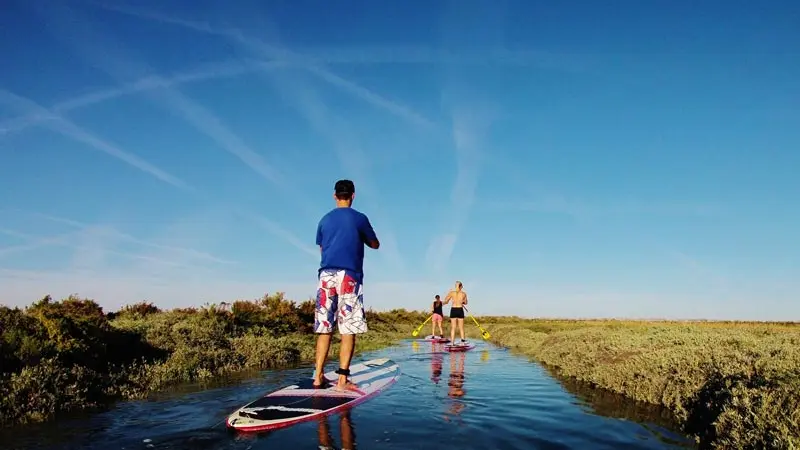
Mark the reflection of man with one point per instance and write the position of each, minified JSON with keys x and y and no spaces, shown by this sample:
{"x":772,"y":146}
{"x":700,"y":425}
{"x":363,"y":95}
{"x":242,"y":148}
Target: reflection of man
{"x":456,"y":382}
{"x":345,"y":428}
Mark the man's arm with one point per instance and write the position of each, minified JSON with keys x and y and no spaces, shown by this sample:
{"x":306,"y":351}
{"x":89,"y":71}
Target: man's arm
{"x":368,"y":234}
{"x":319,"y":235}
{"x":466,"y":299}
{"x":448,"y":298}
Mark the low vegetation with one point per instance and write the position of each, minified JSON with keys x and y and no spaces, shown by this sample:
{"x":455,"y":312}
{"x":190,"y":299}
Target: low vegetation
{"x":58,"y":356}
{"x":731,"y":384}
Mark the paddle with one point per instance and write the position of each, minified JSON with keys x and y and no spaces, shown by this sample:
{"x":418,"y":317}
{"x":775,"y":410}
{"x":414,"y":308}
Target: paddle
{"x":484,"y":333}
{"x":416,"y":332}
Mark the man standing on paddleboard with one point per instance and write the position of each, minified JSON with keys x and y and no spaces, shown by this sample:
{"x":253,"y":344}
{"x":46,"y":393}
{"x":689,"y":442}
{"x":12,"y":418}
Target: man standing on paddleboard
{"x":459,"y":299}
{"x":341,"y":236}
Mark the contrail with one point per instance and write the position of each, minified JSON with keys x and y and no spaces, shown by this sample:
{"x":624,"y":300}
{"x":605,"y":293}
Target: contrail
{"x":288,"y":57}
{"x":307,"y":103}
{"x":69,"y":129}
{"x":188,"y":251}
{"x":211,"y":71}
{"x":202,"y":119}
{"x":37,"y":242}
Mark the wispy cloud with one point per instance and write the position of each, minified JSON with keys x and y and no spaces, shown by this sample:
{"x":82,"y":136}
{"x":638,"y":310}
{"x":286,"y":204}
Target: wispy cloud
{"x":63,"y":126}
{"x":189,"y":252}
{"x":469,"y":127}
{"x":95,"y":48}
{"x":270,"y":51}
{"x":532,"y":196}
{"x":210,"y":71}
{"x":439,"y":251}
{"x":32,"y":244}
{"x":86,"y":43}
{"x":306,"y":101}
{"x":471,"y":118}
{"x":415,"y":54}
{"x":354,"y":161}
{"x":92,"y":244}
{"x":582,"y":209}
{"x":712,"y":275}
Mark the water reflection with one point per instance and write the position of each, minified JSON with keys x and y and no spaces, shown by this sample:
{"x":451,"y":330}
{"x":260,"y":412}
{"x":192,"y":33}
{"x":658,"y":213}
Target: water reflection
{"x":456,"y":384}
{"x":436,"y":367}
{"x":484,"y":355}
{"x":609,"y":404}
{"x":346,"y":431}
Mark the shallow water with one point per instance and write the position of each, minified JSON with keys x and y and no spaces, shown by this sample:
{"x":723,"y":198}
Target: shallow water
{"x":486,"y":398}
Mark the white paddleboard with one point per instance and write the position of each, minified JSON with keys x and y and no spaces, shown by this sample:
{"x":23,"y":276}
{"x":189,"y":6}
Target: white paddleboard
{"x":301,"y":401}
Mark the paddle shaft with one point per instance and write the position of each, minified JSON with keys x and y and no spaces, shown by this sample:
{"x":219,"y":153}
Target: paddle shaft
{"x":484,"y":332}
{"x":422,"y":325}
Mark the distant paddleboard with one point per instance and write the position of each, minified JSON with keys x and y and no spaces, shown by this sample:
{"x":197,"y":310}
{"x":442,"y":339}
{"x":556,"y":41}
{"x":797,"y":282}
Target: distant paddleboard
{"x":432,"y":338}
{"x":301,"y":401}
{"x":459,"y":347}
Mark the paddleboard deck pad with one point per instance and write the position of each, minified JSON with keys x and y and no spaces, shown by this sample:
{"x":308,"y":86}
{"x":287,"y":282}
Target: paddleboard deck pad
{"x":459,"y":347}
{"x":432,"y":338}
{"x":301,"y":401}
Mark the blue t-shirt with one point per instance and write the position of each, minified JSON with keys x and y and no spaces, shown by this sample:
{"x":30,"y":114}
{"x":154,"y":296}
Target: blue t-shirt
{"x":342,"y":233}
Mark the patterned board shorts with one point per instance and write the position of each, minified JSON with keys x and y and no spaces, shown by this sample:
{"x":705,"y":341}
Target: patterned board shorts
{"x":339,"y":302}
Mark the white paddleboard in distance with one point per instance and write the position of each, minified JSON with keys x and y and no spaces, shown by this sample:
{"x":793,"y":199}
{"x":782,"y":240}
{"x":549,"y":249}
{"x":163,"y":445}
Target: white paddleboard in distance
{"x":301,"y":401}
{"x":459,"y":347}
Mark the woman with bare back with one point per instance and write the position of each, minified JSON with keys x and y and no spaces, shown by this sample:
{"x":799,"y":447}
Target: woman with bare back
{"x":459,"y":299}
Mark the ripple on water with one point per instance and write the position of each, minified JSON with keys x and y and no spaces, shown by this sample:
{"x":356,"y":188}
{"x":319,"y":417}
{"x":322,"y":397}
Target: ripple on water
{"x":485,"y":398}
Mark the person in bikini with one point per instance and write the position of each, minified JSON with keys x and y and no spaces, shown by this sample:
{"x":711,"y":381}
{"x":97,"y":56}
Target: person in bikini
{"x":437,"y":318}
{"x":342,"y":234}
{"x":459,"y":299}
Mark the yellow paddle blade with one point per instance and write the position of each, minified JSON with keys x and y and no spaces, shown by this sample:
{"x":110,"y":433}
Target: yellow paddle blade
{"x":484,"y":333}
{"x":416,"y":332}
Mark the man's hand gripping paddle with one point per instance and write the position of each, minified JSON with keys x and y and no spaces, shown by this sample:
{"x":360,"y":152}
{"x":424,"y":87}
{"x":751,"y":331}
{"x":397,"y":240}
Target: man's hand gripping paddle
{"x":416,"y":332}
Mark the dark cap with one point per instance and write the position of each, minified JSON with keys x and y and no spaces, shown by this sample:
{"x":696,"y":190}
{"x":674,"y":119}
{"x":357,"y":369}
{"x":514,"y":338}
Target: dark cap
{"x":344,"y":187}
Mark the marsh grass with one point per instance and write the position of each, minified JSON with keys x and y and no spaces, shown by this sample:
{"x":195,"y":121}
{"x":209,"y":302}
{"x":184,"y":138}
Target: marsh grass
{"x":730,"y":384}
{"x":68,"y":355}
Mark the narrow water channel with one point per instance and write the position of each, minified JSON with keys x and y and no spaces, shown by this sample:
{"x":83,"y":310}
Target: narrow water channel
{"x":487,"y":398}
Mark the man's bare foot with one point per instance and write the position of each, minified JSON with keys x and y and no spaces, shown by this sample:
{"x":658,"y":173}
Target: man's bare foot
{"x":347,"y":385}
{"x":321,"y":384}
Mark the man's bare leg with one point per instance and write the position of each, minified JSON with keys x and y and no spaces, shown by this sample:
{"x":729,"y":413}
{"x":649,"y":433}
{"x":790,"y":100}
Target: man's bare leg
{"x":345,"y":355}
{"x":452,"y":331}
{"x":461,"y":328}
{"x":323,"y":345}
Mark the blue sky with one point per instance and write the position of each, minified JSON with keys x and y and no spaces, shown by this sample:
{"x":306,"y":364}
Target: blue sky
{"x":564,"y":159}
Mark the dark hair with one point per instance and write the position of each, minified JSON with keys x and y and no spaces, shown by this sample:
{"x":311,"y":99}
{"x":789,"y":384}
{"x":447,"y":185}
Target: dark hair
{"x":344,"y":189}
{"x":437,"y":296}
